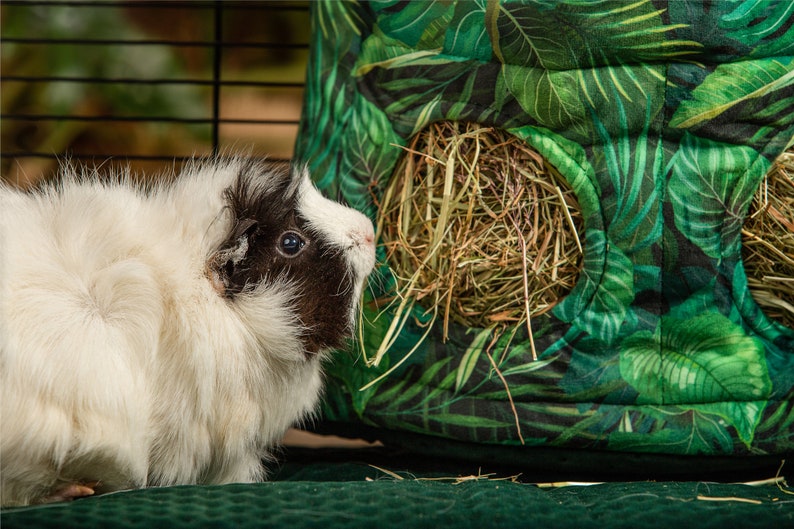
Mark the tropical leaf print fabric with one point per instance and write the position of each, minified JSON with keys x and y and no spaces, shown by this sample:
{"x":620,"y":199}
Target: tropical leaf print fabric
{"x":663,"y":118}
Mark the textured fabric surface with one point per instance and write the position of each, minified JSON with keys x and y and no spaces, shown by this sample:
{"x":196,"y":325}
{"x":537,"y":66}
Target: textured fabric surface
{"x":663,"y":118}
{"x":423,"y":487}
{"x":418,"y":504}
{"x":413,"y":503}
{"x":339,"y":495}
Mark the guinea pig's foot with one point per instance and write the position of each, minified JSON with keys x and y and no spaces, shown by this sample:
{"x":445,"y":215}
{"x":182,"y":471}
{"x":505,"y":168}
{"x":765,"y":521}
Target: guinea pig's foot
{"x":71,"y":491}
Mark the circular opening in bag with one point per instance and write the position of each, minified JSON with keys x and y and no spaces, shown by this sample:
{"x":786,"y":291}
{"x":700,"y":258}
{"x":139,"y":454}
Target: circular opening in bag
{"x":479,"y":230}
{"x":768,"y":242}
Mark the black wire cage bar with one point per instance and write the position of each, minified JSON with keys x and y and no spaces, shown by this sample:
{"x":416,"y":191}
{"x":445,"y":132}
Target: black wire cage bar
{"x":220,"y":42}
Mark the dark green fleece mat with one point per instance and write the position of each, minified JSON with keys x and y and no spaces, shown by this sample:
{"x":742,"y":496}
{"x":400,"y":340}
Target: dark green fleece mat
{"x":381,"y":488}
{"x":423,"y":504}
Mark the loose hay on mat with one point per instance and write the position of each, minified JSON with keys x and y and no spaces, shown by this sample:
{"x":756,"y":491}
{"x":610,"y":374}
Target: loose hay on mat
{"x":768,"y":242}
{"x":478,"y":229}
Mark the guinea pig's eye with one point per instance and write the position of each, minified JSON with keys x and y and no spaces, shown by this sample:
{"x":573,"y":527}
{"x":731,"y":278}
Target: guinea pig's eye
{"x":290,"y":243}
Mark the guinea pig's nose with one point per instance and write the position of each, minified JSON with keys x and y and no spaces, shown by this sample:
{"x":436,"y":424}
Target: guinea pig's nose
{"x":369,"y":236}
{"x":363,"y":237}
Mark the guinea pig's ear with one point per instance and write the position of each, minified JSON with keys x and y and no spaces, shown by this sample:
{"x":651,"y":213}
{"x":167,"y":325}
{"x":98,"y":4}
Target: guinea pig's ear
{"x":241,"y":243}
{"x":244,"y":227}
{"x":222,"y":265}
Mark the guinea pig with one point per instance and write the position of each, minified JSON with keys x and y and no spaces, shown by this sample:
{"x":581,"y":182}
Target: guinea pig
{"x":169,"y":334}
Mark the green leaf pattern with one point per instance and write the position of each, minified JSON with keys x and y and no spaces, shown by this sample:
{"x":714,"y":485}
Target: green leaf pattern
{"x":702,"y":190}
{"x":663,"y":117}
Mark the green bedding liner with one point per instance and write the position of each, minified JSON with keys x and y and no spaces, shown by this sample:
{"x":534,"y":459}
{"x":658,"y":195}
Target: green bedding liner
{"x":663,"y":118}
{"x":324,"y":491}
{"x":429,"y":504}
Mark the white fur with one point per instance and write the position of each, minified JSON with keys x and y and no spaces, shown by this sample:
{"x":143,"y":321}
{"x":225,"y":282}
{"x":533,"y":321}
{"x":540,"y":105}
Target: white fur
{"x":119,"y":362}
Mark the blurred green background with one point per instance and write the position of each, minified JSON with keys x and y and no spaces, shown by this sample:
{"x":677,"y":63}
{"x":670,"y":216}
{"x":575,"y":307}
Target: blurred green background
{"x":60,"y":59}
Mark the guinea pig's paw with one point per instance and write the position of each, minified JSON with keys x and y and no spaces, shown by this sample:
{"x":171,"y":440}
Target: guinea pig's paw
{"x":72,"y":491}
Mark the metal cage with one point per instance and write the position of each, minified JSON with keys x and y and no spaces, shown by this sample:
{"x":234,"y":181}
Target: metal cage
{"x":147,"y":84}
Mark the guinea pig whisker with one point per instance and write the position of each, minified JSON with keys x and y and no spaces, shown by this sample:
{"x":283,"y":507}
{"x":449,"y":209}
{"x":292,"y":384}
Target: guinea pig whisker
{"x":344,"y":288}
{"x":370,"y":287}
{"x":331,"y":253}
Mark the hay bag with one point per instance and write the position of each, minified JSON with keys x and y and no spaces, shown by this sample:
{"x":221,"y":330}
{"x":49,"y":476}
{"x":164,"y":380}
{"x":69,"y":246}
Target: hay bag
{"x":662,"y":119}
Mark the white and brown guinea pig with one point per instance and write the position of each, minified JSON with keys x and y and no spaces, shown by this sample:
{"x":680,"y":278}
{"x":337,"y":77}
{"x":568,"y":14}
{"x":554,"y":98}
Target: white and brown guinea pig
{"x":169,"y":335}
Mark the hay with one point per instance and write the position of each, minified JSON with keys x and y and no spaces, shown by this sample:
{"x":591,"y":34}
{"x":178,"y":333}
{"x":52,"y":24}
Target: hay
{"x":768,"y":242}
{"x":478,"y":229}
